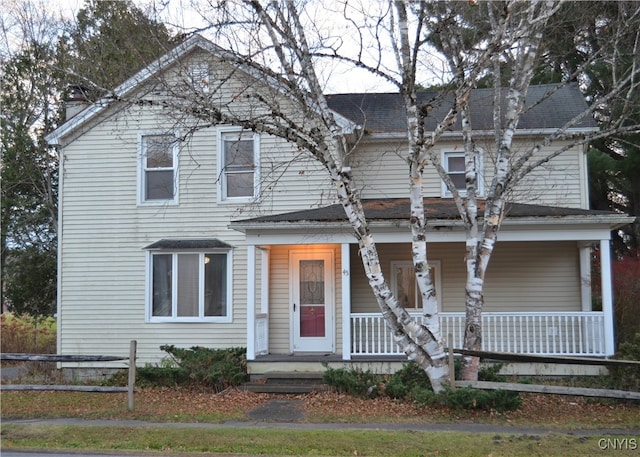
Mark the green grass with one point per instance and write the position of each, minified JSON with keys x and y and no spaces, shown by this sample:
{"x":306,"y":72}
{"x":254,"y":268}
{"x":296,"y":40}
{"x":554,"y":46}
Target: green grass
{"x":285,"y":442}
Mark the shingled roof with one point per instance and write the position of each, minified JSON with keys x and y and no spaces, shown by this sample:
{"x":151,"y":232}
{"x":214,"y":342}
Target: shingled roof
{"x":384,"y":112}
{"x":398,"y":209}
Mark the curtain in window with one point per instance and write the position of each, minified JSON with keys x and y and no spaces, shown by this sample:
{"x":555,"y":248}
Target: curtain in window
{"x":188,"y":285}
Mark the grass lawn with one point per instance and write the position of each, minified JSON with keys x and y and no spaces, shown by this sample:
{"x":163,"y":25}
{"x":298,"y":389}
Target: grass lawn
{"x":285,"y":442}
{"x":552,"y":415}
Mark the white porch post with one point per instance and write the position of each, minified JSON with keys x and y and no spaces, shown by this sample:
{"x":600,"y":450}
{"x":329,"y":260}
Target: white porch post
{"x":264,"y":280}
{"x":585,"y":276}
{"x":346,"y":302}
{"x":251,"y":302}
{"x":607,"y":297}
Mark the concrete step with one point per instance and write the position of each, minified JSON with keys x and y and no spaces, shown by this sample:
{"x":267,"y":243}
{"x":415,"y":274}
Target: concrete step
{"x":260,"y":387}
{"x":293,"y":377}
{"x":287,"y":383}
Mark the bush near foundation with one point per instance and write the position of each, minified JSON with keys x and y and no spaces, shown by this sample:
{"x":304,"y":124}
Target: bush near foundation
{"x":411,"y":383}
{"x":200,"y":367}
{"x":627,"y":378}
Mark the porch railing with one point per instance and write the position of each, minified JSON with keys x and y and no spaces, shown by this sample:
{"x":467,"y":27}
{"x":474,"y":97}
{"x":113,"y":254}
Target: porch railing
{"x":557,"y":333}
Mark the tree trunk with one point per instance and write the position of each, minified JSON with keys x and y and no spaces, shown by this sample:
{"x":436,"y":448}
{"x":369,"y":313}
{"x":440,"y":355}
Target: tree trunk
{"x":474,"y":302}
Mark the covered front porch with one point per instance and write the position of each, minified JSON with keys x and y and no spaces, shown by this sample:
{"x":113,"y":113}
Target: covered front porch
{"x":353,"y":334}
{"x":538,"y":299}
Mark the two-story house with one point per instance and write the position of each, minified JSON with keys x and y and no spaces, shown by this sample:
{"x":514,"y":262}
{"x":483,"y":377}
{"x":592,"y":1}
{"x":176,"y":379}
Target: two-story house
{"x":176,"y":232}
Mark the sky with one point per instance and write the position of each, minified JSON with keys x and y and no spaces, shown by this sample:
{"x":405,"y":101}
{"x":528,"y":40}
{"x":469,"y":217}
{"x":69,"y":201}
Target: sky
{"x":179,"y":14}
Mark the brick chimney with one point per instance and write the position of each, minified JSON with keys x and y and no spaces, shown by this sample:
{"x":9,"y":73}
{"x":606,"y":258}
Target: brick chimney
{"x":76,"y":102}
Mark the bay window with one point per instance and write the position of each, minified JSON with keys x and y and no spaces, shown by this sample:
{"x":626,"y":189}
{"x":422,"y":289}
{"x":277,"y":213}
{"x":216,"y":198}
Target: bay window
{"x":189,"y":286}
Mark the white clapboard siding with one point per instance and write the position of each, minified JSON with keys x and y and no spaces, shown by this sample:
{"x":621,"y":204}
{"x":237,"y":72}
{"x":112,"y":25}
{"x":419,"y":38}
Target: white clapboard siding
{"x":543,"y":276}
{"x":105,"y":231}
{"x":382,"y":172}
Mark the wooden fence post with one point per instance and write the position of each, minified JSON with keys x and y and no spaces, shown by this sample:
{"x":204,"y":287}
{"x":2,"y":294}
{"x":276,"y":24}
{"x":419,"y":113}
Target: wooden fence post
{"x":132,"y":373}
{"x":452,"y":368}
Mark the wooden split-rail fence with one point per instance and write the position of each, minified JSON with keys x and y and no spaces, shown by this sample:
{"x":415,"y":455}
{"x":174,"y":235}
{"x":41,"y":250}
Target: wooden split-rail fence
{"x":545,"y":389}
{"x":129,"y":389}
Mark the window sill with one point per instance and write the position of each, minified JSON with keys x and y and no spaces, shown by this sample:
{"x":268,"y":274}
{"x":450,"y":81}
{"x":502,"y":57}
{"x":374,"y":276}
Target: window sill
{"x":189,"y":320}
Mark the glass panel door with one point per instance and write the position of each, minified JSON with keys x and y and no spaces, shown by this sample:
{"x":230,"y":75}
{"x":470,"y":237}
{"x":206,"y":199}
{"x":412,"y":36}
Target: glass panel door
{"x":312,"y":307}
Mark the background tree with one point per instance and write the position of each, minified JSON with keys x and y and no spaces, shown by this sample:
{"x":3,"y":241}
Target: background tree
{"x":29,"y":167}
{"x":594,"y":47}
{"x":42,"y":55}
{"x":109,"y":42}
{"x":586,"y":45}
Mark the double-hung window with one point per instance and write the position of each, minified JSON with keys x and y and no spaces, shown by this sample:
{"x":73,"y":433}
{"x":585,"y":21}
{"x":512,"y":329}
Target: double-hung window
{"x":238,"y":171}
{"x":189,"y":286}
{"x":405,"y":287}
{"x":158,"y":168}
{"x":454,"y":164}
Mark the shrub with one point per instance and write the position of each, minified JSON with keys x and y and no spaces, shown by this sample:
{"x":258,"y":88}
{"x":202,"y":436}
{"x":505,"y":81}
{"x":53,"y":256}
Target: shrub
{"x":469,"y":398}
{"x":26,"y":334}
{"x":406,"y":381}
{"x":626,"y":292}
{"x":202,"y":367}
{"x":353,"y":381}
{"x":490,"y":372}
{"x":627,"y":378}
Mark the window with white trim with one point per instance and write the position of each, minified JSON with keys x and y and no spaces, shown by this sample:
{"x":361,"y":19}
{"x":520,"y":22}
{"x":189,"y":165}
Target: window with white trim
{"x":189,"y":286}
{"x":158,"y":168}
{"x":454,"y":164}
{"x":405,"y":287}
{"x":238,"y":171}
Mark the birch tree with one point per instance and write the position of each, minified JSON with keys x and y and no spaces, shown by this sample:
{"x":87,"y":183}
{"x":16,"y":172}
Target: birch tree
{"x":293,"y":46}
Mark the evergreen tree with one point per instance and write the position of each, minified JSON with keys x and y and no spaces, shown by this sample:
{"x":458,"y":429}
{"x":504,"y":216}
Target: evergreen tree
{"x":29,"y":181}
{"x":593,"y":47}
{"x":110,"y":41}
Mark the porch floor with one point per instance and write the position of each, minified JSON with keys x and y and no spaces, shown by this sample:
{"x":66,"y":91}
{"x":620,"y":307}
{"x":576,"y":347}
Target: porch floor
{"x":329,"y":358}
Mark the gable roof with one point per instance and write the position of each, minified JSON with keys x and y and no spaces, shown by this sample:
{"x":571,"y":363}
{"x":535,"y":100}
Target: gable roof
{"x":96,"y":108}
{"x":375,"y":112}
{"x":436,"y":209}
{"x":384,"y":112}
{"x":194,"y":42}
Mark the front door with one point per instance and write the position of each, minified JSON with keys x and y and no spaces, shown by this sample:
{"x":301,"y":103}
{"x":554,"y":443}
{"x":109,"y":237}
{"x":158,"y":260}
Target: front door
{"x":312,"y":306}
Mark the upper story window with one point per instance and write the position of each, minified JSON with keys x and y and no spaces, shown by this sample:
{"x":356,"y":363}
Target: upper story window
{"x":405,"y":287}
{"x":238,"y":169}
{"x":158,"y":168}
{"x":199,"y":72}
{"x":189,"y":286}
{"x":454,"y":164}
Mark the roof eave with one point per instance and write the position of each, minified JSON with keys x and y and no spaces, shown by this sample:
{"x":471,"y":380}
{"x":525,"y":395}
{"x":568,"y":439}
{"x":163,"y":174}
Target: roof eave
{"x":55,"y":138}
{"x":613,"y":222}
{"x":402,"y":135}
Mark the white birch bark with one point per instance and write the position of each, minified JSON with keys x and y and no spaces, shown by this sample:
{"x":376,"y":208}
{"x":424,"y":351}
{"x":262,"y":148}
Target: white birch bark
{"x":514,"y":32}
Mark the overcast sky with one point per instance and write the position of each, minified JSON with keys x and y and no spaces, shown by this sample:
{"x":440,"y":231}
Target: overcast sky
{"x":179,"y":15}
